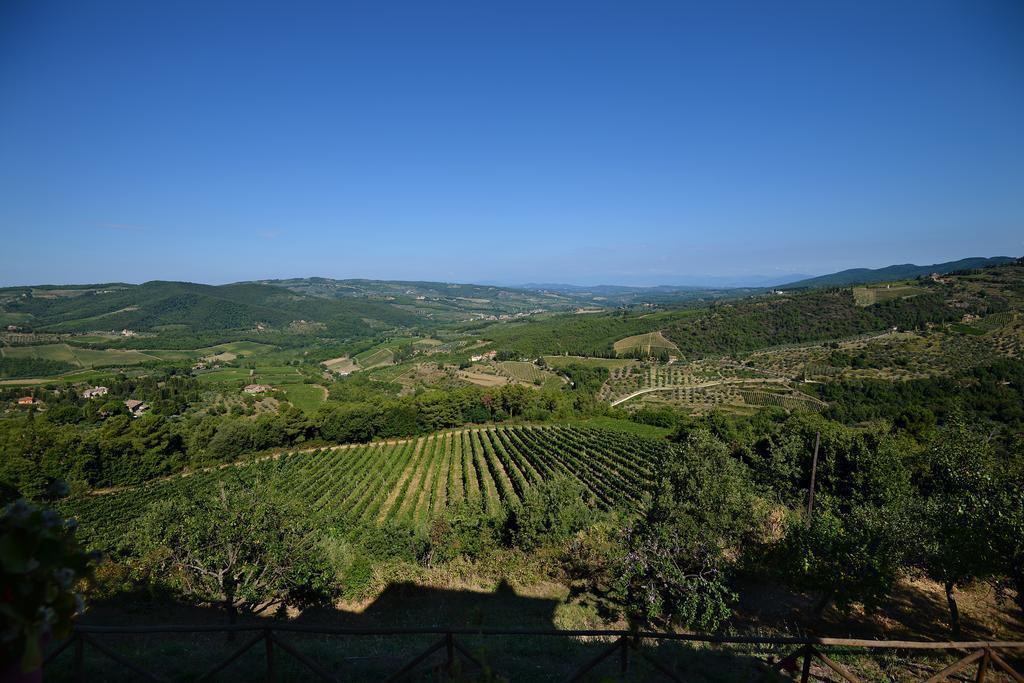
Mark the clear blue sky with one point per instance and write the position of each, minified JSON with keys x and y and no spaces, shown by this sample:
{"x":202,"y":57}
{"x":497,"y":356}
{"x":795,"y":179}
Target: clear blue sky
{"x":627,"y":142}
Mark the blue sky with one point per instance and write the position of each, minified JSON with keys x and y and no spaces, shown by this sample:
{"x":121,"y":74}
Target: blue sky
{"x":617,"y":142}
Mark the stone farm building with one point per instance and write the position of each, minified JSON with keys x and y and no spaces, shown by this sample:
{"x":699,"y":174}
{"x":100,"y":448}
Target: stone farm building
{"x":95,"y":391}
{"x":136,"y":408}
{"x":257,"y":388}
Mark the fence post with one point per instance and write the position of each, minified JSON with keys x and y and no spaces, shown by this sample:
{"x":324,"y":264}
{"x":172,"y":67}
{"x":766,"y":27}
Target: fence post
{"x":805,"y":672}
{"x":983,"y":666}
{"x":624,"y":654}
{"x":79,"y":659}
{"x":269,"y":642}
{"x":449,"y":653}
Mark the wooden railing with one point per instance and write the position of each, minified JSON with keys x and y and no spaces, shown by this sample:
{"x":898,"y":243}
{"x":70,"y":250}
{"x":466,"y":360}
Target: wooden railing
{"x":985,"y":656}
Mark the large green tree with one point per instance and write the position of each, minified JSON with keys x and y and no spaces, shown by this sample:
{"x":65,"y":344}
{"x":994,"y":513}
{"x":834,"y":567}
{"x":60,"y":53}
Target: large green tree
{"x":244,"y":547}
{"x":679,"y":553}
{"x":958,"y":499}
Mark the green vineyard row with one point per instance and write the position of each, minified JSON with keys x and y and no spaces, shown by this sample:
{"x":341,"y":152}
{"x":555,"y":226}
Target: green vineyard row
{"x":412,"y":481}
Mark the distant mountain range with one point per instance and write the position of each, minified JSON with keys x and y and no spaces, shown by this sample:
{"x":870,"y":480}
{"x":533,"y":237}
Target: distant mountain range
{"x":362,"y":308}
{"x":683,"y":284}
{"x":862,"y":276}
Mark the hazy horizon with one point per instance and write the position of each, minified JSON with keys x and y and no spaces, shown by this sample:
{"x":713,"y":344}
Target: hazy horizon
{"x":708,"y":281}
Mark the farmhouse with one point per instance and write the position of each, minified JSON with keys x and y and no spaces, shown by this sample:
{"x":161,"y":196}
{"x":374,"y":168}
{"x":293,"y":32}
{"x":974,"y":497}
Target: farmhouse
{"x":127,"y":333}
{"x":489,"y":355}
{"x":95,"y":391}
{"x":136,"y":408}
{"x":28,"y":401}
{"x":257,"y":388}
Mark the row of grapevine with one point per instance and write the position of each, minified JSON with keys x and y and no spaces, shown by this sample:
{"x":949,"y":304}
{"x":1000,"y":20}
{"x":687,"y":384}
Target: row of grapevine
{"x":414,"y":480}
{"x":794,"y":401}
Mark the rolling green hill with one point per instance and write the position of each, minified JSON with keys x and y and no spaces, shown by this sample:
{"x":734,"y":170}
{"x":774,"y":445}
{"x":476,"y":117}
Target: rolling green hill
{"x":193,"y":307}
{"x":906,"y":271}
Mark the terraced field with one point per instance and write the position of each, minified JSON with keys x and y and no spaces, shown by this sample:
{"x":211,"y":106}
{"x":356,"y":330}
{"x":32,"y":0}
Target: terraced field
{"x":702,"y":385}
{"x":412,"y":481}
{"x":649,"y":343}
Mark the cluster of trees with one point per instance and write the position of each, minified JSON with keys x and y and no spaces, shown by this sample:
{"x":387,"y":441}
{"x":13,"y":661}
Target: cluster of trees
{"x":728,"y":503}
{"x":32,"y":367}
{"x":204,"y":308}
{"x":735,"y":326}
{"x":95,"y":443}
{"x":993,"y":393}
{"x":813,"y":316}
{"x":659,"y":354}
{"x":385,"y":417}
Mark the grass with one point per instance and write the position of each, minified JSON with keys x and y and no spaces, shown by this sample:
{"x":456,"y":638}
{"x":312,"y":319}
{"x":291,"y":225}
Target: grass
{"x":83,"y":358}
{"x":239,"y":348}
{"x":272,"y":374}
{"x":306,"y":397}
{"x":71,"y":377}
{"x":277,"y":374}
{"x":173,"y":355}
{"x":223,"y":375}
{"x":647,"y":343}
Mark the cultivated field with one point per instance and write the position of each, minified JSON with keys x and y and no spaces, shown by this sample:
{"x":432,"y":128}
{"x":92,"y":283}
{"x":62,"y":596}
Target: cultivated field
{"x":78,"y":356}
{"x":650,"y":343}
{"x":307,"y":397}
{"x":528,"y":373}
{"x":375,"y":358}
{"x":342,"y":365}
{"x":869,"y":296}
{"x":610,"y":363}
{"x":412,"y":481}
{"x":483,"y":376}
{"x":702,"y":385}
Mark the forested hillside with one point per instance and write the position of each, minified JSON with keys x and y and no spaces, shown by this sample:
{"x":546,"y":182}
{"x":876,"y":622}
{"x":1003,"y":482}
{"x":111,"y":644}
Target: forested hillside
{"x":193,"y":307}
{"x":906,"y":271}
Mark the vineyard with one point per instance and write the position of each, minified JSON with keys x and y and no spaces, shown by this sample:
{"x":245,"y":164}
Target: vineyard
{"x":412,"y":481}
{"x":648,"y":344}
{"x":526,"y":372}
{"x":375,"y":357}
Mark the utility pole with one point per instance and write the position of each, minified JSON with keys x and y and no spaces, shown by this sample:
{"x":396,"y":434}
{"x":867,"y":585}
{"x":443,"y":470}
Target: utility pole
{"x":814,"y":473}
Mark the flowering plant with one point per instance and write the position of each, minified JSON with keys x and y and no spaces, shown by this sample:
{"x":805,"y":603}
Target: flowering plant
{"x":40,"y":564}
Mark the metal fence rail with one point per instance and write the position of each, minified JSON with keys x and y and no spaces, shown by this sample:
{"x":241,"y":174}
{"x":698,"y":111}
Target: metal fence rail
{"x":984,"y":656}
